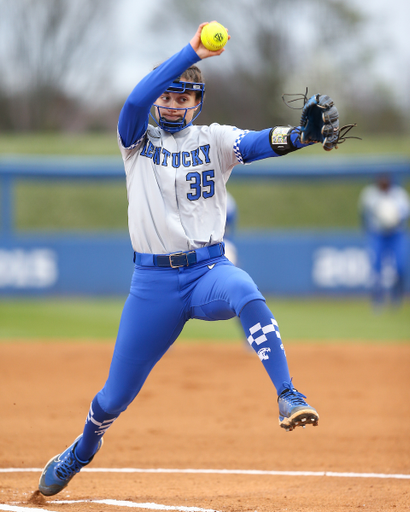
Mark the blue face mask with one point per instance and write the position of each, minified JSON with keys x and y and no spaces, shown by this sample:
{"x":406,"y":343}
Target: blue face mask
{"x":180,"y":124}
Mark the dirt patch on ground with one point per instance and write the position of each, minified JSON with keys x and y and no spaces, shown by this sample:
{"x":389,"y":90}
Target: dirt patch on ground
{"x":212,"y":407}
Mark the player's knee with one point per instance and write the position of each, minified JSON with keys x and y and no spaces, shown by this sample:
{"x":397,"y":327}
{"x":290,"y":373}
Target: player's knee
{"x":215,"y":310}
{"x":245,"y":287}
{"x":241,"y":292}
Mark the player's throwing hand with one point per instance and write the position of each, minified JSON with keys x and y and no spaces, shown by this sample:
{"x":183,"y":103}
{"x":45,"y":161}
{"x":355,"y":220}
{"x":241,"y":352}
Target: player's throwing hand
{"x":199,"y":47}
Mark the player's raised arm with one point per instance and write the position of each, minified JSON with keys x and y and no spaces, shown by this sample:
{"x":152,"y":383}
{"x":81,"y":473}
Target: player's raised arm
{"x":133,"y":120}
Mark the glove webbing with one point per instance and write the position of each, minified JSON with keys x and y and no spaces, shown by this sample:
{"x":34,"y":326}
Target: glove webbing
{"x":343,"y":131}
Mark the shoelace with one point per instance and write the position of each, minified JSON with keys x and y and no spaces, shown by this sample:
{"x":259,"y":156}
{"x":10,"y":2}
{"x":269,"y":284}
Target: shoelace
{"x":293,"y":396}
{"x":68,"y":467}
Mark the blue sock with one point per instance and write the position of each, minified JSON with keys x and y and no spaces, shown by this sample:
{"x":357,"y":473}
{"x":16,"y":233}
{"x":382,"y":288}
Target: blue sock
{"x":262,"y":333}
{"x":96,"y":424}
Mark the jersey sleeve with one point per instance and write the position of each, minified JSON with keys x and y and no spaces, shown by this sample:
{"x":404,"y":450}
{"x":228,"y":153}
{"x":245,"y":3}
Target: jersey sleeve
{"x":134,"y":115}
{"x":227,"y":139}
{"x":238,"y":146}
{"x":257,"y":145}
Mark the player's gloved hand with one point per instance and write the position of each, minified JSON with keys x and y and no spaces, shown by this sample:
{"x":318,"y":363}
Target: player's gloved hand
{"x":320,"y":122}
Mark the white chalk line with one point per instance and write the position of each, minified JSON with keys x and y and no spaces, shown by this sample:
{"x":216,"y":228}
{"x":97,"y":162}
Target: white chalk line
{"x":224,"y":472}
{"x":150,"y":506}
{"x":156,"y":506}
{"x":13,"y":508}
{"x":118,"y":503}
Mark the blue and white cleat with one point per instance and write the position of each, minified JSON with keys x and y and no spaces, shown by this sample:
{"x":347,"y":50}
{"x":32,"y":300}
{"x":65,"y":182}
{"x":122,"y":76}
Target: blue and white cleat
{"x":61,"y":469}
{"x":294,"y":411}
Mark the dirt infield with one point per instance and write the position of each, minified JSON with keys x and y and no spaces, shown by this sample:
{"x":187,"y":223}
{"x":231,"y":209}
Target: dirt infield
{"x":212,"y":407}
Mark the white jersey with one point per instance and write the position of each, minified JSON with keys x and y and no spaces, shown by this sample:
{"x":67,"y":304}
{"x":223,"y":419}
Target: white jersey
{"x":176,"y":186}
{"x":384,"y":211}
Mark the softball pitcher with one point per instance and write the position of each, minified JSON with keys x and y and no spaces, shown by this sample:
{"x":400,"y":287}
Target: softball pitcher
{"x":176,"y":175}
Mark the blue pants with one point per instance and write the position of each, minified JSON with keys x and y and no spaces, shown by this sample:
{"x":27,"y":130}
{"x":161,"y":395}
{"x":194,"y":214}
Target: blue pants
{"x":160,"y":302}
{"x":393,"y":246}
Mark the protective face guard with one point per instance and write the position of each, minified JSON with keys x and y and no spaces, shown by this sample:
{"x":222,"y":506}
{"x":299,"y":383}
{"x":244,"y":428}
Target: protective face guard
{"x":180,"y":87}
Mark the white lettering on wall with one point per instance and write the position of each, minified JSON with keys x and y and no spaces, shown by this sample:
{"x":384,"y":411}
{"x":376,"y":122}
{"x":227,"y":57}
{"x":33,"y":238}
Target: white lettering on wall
{"x":22,"y":268}
{"x":349,"y":267}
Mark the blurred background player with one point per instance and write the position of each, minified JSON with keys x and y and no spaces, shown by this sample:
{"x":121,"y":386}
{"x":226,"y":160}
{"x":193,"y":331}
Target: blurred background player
{"x":231,"y":251}
{"x":230,"y":229}
{"x":384,"y":209}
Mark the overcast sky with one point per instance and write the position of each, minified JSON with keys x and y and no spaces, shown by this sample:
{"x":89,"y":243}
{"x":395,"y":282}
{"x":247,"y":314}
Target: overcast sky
{"x":388,"y":30}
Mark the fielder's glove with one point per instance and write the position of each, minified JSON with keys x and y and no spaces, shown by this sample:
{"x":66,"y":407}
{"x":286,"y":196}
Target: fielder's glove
{"x":320,"y":121}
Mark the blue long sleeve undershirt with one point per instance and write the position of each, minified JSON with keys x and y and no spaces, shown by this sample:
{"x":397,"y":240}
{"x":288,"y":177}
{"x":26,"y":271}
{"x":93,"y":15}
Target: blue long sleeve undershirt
{"x":256,"y":145}
{"x":133,"y":120}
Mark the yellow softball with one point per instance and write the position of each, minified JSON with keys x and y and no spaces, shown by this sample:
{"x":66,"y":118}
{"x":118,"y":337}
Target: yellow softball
{"x":214,"y":36}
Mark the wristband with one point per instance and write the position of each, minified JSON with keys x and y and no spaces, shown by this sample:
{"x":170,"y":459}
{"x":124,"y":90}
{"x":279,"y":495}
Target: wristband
{"x":280,"y":141}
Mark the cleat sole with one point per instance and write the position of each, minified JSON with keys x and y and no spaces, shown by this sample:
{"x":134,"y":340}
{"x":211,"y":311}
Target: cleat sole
{"x":301,"y":418}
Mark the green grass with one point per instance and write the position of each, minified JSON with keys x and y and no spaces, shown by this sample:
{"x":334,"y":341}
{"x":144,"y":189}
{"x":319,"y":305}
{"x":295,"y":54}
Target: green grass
{"x":79,"y":318}
{"x":309,"y":319}
{"x":97,"y":144}
{"x":312,"y":204}
{"x":101,"y":144}
{"x":345,"y":319}
{"x":67,"y":205}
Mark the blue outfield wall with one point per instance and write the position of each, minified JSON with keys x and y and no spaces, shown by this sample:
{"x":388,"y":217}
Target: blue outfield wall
{"x":87,"y":264}
{"x":281,"y":263}
{"x":311,"y":262}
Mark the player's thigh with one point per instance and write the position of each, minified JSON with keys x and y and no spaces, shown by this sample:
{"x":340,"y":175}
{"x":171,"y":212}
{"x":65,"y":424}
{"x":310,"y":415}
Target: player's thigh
{"x":150,"y":321}
{"x":149,"y":324}
{"x":222,"y":292}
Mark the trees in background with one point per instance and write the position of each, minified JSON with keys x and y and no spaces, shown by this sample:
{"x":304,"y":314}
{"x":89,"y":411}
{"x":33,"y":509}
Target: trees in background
{"x":58,"y":57}
{"x":52,"y":54}
{"x":284,"y":47}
